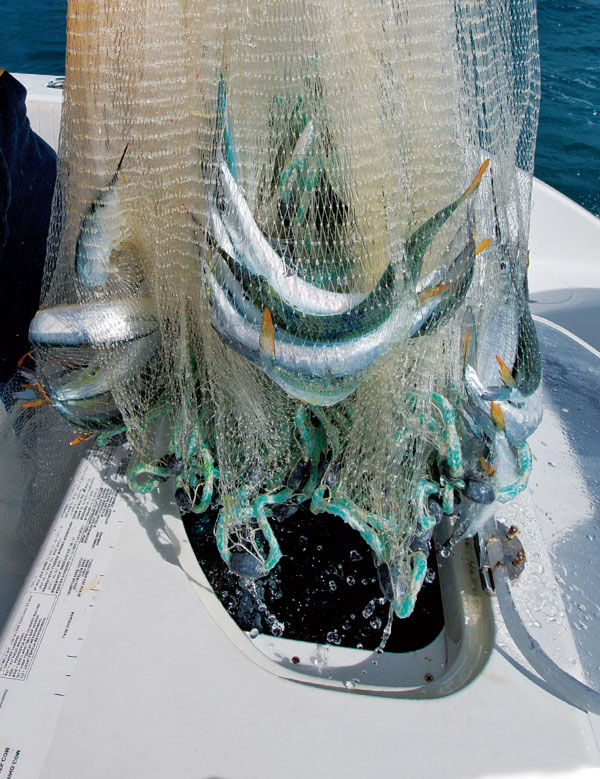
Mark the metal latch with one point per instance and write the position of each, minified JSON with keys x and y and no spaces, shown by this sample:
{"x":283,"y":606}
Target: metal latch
{"x":508,"y":550}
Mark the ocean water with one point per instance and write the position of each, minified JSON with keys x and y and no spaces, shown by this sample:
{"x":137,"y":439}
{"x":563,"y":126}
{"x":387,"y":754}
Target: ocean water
{"x":32,"y":40}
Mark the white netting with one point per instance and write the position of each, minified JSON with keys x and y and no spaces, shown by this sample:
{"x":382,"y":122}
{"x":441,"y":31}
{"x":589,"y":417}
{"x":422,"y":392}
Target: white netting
{"x":282,"y":263}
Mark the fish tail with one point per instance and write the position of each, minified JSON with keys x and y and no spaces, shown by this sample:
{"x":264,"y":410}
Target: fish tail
{"x":505,"y":374}
{"x":475,"y":183}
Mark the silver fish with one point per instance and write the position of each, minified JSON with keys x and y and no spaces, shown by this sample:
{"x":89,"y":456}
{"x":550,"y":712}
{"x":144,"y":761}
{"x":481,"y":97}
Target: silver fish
{"x":254,"y":252}
{"x":317,"y":359}
{"x":509,"y":344}
{"x":101,"y":232}
{"x":94,"y":380}
{"x":93,"y":323}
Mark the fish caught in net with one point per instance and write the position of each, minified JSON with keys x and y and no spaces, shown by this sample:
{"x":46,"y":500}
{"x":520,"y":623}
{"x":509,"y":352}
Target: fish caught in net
{"x":288,"y":263}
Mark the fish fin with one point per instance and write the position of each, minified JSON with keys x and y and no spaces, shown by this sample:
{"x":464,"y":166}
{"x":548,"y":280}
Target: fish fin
{"x":489,"y":469}
{"x":505,"y":374}
{"x":266,"y":340}
{"x":482,"y":246}
{"x":430,"y":292}
{"x":24,"y":357}
{"x":35,"y":403}
{"x":80,"y":438}
{"x":475,"y":183}
{"x":497,"y":416}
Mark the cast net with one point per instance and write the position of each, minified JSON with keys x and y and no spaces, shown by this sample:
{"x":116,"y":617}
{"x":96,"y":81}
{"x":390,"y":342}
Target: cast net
{"x":288,"y":262}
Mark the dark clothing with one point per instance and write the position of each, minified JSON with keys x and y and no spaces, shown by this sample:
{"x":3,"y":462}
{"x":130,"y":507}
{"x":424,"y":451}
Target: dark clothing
{"x":27,"y":176}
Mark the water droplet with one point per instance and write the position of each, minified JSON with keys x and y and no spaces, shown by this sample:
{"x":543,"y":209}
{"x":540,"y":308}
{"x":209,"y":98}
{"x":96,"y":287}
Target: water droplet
{"x":359,"y":646}
{"x":332,"y":585}
{"x":551,"y":464}
{"x":369,"y":609}
{"x":355,"y":556}
{"x":350,"y":684}
{"x":350,"y":581}
{"x":333,"y":637}
{"x":277,"y":628}
{"x":253,"y":633}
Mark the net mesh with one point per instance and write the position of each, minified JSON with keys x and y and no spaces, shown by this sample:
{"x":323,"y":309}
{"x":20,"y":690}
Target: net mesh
{"x":288,"y":262}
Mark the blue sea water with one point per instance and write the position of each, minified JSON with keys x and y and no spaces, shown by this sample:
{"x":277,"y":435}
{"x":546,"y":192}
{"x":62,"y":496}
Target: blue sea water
{"x":32,"y":40}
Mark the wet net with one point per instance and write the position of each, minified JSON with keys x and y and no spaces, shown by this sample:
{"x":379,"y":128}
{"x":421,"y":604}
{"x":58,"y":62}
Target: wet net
{"x":288,"y":262}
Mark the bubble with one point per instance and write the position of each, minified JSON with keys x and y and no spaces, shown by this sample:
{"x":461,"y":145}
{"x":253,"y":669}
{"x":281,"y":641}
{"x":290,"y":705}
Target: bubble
{"x":332,"y":585}
{"x":277,"y":628}
{"x":355,"y":556}
{"x":369,"y":609}
{"x":333,"y":637}
{"x":253,"y":633}
{"x":375,"y":623}
{"x":350,"y":581}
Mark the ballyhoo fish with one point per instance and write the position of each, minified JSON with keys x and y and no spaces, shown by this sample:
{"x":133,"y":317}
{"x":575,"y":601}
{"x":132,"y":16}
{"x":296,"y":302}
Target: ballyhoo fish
{"x":444,"y":298}
{"x":101,"y":232}
{"x":126,"y":361}
{"x":369,"y":311}
{"x":108,"y":322}
{"x":516,"y":391}
{"x":255,"y":253}
{"x":318,"y":359}
{"x":320,"y":373}
{"x":298,"y":180}
{"x":290,"y":296}
{"x":421,"y":238}
{"x":96,"y":414}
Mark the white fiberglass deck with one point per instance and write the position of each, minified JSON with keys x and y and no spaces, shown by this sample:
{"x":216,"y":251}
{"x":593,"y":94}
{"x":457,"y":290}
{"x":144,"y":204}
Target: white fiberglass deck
{"x":143,"y":682}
